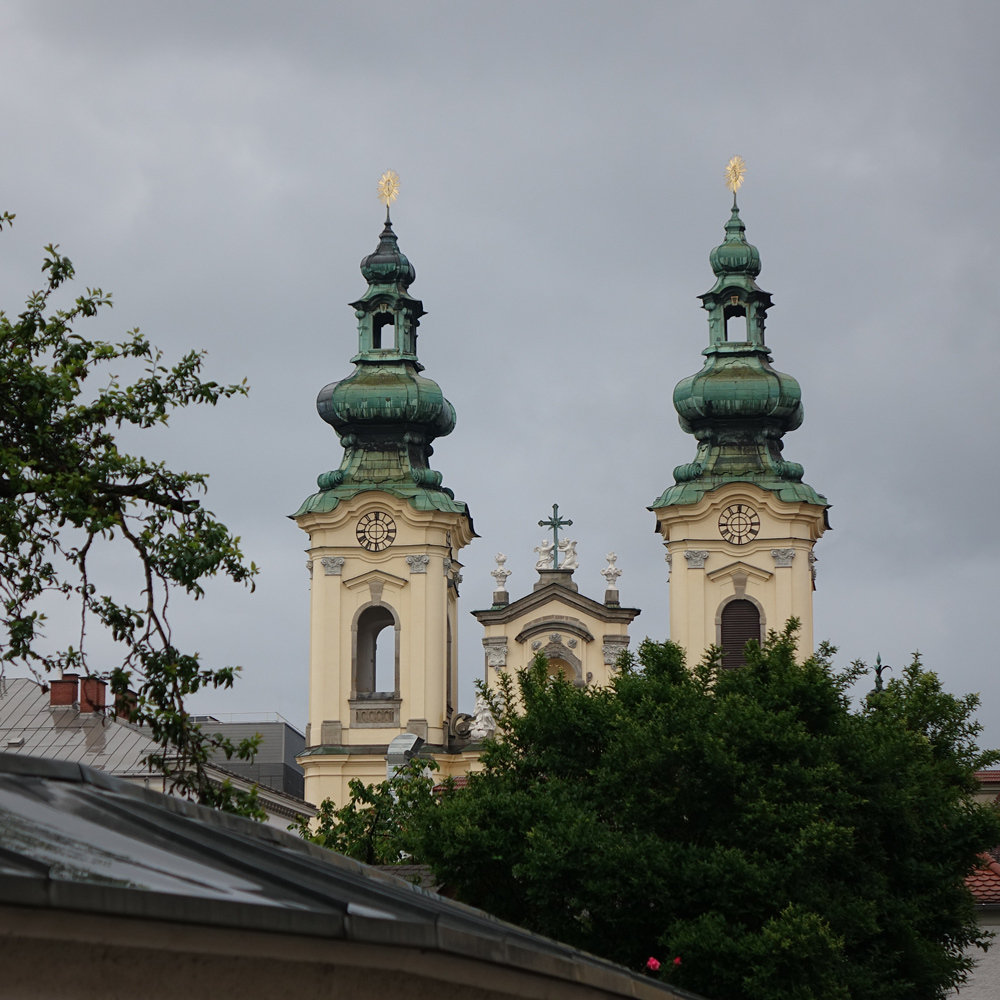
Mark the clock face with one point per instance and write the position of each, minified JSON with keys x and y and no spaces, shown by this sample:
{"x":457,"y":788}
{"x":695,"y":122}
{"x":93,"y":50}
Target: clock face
{"x":739,"y":524}
{"x":376,"y":531}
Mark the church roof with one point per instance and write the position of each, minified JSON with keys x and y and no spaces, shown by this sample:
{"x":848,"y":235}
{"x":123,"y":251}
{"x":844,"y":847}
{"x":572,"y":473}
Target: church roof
{"x":554,"y":592}
{"x":385,"y":412}
{"x":738,"y":406}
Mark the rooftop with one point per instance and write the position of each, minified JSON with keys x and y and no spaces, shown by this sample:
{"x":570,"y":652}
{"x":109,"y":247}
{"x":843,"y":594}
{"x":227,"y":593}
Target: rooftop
{"x":80,"y":841}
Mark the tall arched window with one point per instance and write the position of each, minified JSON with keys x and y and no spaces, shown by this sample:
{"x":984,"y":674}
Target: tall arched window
{"x":740,"y":623}
{"x":376,"y":667}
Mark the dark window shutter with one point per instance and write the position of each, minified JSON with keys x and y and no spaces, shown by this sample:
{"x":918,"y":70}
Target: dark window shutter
{"x":740,"y":623}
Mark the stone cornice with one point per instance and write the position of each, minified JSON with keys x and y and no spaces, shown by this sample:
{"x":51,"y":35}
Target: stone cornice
{"x":537,"y":599}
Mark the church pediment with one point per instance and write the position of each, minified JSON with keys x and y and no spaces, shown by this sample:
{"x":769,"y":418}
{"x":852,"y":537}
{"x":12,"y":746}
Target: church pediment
{"x":740,"y":568}
{"x":364,"y":579}
{"x":534,"y":603}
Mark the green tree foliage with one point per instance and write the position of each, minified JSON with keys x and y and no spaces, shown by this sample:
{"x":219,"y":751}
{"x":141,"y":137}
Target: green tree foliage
{"x":747,"y":829}
{"x":374,"y":825}
{"x":65,"y":488}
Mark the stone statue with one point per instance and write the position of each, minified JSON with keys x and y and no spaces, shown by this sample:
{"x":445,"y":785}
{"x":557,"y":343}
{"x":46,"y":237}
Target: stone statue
{"x":483,"y":724}
{"x":501,"y":573}
{"x":567,"y":550}
{"x":545,"y":551}
{"x":611,"y":572}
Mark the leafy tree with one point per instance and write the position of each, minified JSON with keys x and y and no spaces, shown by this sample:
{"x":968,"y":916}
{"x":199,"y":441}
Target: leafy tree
{"x":374,"y":824}
{"x":747,"y":830}
{"x":65,"y":488}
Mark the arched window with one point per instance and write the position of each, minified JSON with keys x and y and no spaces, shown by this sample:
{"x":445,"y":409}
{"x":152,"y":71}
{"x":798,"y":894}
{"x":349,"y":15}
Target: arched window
{"x":740,"y":623}
{"x":737,"y":329}
{"x":379,"y":322}
{"x":376,"y":666}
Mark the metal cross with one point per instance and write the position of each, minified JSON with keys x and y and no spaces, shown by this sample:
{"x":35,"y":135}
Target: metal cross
{"x":555,"y":522}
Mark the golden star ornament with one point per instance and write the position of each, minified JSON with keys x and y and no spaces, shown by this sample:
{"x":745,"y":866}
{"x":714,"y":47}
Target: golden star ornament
{"x":388,"y":187}
{"x":736,"y":169}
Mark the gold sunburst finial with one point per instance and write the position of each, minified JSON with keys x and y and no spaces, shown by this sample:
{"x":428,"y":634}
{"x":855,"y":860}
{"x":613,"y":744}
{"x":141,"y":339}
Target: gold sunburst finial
{"x":736,"y":170}
{"x":388,"y":188}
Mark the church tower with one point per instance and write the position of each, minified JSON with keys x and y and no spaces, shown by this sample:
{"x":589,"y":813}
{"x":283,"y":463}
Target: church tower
{"x":384,"y":535}
{"x":738,"y":523}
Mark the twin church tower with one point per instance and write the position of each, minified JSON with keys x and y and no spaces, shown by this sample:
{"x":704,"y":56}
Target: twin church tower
{"x":385,"y":534}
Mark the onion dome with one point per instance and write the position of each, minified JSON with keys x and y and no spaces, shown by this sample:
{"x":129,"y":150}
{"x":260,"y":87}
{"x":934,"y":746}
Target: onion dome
{"x":387,"y":265}
{"x":738,"y":407}
{"x":734,"y":255}
{"x":385,"y":412}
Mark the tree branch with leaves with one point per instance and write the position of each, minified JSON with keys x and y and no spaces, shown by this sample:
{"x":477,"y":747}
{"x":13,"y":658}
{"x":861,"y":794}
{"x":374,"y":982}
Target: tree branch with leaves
{"x":66,"y":487}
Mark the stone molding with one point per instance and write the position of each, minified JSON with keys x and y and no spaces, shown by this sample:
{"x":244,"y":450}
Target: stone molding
{"x":333,"y":565}
{"x":696,"y":558}
{"x":331,"y":731}
{"x":783,"y":557}
{"x":417,"y":727}
{"x":572,"y":625}
{"x":418,"y":564}
{"x":374,"y":713}
{"x":496,"y":651}
{"x":612,"y":647}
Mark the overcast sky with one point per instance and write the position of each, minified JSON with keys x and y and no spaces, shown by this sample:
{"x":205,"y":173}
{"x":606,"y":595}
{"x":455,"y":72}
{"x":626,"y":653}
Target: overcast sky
{"x":214,"y":164}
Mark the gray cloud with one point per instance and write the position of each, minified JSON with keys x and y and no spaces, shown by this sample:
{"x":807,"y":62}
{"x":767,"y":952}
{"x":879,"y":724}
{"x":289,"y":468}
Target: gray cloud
{"x":561,"y":164}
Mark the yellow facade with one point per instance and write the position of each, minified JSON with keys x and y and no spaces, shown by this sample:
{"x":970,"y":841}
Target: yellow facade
{"x":413,"y":585}
{"x":774,"y":569}
{"x":581,"y":637}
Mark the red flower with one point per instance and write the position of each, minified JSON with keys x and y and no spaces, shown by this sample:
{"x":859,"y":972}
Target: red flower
{"x":677,"y":960}
{"x":652,"y":964}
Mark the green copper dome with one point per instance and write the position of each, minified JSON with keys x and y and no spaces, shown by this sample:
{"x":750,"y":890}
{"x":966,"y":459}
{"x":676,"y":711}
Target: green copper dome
{"x":387,"y":265}
{"x":734,"y":255}
{"x":385,"y":412}
{"x":738,"y":407}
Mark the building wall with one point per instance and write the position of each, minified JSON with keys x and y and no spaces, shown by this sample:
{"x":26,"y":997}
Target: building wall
{"x":772,"y":570}
{"x":586,"y":644}
{"x":984,"y":983}
{"x":415,"y":578}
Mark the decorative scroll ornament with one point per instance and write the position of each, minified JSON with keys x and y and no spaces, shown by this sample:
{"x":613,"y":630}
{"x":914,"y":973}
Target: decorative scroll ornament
{"x":333,"y":565}
{"x":696,"y":558}
{"x":545,"y":554}
{"x":418,"y":563}
{"x":783,"y":557}
{"x":496,"y":651}
{"x":388,"y":188}
{"x":611,"y":572}
{"x":612,"y":648}
{"x":736,"y":170}
{"x":501,"y":573}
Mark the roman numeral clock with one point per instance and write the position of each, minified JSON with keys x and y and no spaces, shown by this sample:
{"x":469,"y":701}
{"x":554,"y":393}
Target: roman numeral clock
{"x":376,"y":531}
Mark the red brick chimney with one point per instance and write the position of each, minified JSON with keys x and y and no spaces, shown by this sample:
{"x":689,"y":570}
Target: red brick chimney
{"x":125,"y":704}
{"x":93,"y":693}
{"x":63,"y":692}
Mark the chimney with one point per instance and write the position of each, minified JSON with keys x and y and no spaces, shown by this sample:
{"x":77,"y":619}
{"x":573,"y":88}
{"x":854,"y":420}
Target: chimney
{"x":92,"y":694}
{"x":125,"y":704}
{"x":63,"y":692}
